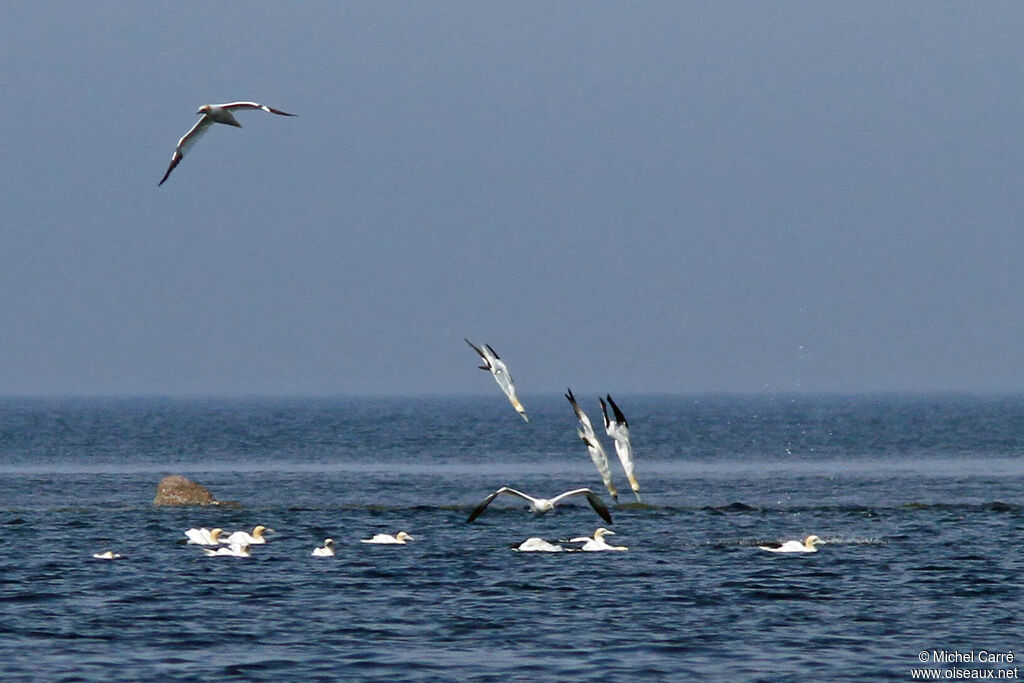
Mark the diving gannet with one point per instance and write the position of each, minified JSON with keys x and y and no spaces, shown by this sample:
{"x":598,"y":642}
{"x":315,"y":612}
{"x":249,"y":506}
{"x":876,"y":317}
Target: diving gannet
{"x":594,"y":447}
{"x":205,"y":536}
{"x":213,"y":113}
{"x":597,"y":543}
{"x":537,"y":545}
{"x":618,"y":429}
{"x":255,"y":538}
{"x":501,"y":376}
{"x":233,"y":550}
{"x":327,"y":550}
{"x":793,"y":546}
{"x":539,"y":506}
{"x":387,"y":539}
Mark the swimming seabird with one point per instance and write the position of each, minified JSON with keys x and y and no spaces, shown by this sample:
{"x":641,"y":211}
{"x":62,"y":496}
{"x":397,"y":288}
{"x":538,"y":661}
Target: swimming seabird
{"x":539,"y":506}
{"x":327,"y":550}
{"x":793,"y":546}
{"x":255,"y":538}
{"x":501,"y":376}
{"x":109,"y":555}
{"x":387,"y":539}
{"x":233,"y":550}
{"x":618,"y":429}
{"x":538,"y":545}
{"x":594,"y":447}
{"x":205,"y":536}
{"x":598,"y":543}
{"x":213,"y":113}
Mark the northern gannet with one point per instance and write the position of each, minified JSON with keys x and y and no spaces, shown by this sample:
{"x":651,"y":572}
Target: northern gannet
{"x":233,"y":550}
{"x":501,"y":376}
{"x":598,"y":543}
{"x":213,"y":113}
{"x":539,"y":506}
{"x":594,"y":447}
{"x":618,"y":429}
{"x":327,"y":550}
{"x":538,"y":545}
{"x":793,"y":546}
{"x":109,"y":555}
{"x":205,"y":536}
{"x":387,"y":539}
{"x":255,"y":538}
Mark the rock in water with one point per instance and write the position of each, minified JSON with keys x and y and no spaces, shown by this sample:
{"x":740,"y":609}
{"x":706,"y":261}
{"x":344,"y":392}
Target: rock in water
{"x":177,"y":490}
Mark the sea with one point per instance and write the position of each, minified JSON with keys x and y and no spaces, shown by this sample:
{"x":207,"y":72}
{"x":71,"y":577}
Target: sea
{"x":919,"y":500}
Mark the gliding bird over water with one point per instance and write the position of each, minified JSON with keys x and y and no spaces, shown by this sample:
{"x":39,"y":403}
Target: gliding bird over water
{"x":213,"y":113}
{"x":539,"y":506}
{"x":501,"y":376}
{"x":618,"y":429}
{"x":594,"y":447}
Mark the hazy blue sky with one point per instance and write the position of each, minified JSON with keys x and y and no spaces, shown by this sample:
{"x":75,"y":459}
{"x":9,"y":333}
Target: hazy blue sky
{"x":624,"y":197}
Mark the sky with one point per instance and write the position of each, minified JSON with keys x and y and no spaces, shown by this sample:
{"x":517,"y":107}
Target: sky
{"x":664,"y":197}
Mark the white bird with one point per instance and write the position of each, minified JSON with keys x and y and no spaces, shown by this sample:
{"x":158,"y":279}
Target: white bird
{"x":387,"y":539}
{"x":597,"y":543}
{"x":327,"y":550}
{"x":233,"y":550}
{"x":213,"y":113}
{"x":539,"y":506}
{"x":109,"y":555}
{"x":538,"y":545}
{"x":594,"y":447}
{"x":501,"y":376}
{"x":255,"y":538}
{"x":618,"y":429}
{"x":793,"y":546}
{"x":204,"y":536}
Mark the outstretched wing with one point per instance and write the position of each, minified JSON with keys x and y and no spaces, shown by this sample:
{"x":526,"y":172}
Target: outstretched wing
{"x":253,"y":105}
{"x":487,"y":363}
{"x":186,"y":142}
{"x":619,"y":417}
{"x":487,"y":501}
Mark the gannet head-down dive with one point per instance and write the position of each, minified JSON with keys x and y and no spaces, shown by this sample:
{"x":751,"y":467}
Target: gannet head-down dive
{"x":255,"y":538}
{"x":618,"y":429}
{"x":501,"y":376}
{"x":211,"y":114}
{"x":327,"y":550}
{"x":594,"y":447}
{"x":793,"y":546}
{"x":597,"y":543}
{"x":233,"y":550}
{"x":204,"y":536}
{"x":539,"y":506}
{"x":387,"y":539}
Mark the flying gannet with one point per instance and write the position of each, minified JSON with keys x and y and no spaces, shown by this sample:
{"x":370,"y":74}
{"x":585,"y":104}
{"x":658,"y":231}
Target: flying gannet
{"x":500,"y":371}
{"x":233,"y":550}
{"x":618,"y":429}
{"x":387,"y":539}
{"x":594,"y":447}
{"x":327,"y":550}
{"x":213,"y":113}
{"x":255,"y":538}
{"x":539,"y":506}
{"x":793,"y":546}
{"x":204,"y":536}
{"x":597,"y":543}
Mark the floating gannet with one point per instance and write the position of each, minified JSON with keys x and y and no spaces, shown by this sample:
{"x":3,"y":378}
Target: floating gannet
{"x":598,"y":543}
{"x":327,"y":550}
{"x":255,"y":538}
{"x":618,"y":429}
{"x":109,"y":555}
{"x":539,"y":506}
{"x":233,"y":550}
{"x":594,"y":447}
{"x":793,"y":546}
{"x":212,"y":113}
{"x":387,"y":539}
{"x":205,"y":536}
{"x":501,"y":376}
{"x":538,"y":545}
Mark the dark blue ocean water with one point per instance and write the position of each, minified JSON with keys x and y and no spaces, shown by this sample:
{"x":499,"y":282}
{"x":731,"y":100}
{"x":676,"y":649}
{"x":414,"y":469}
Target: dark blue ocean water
{"x":920,"y":501}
